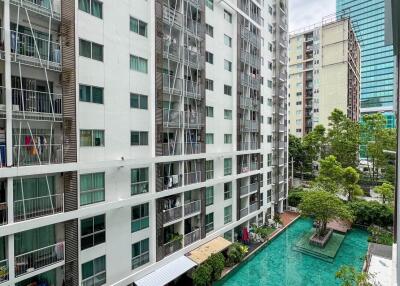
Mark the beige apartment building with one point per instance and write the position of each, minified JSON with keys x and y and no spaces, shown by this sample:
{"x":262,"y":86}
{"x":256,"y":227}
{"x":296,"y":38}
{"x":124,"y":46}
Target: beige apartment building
{"x":324,"y":74}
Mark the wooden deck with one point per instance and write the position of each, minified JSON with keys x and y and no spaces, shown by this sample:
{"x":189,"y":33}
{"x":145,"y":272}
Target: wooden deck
{"x":339,"y":226}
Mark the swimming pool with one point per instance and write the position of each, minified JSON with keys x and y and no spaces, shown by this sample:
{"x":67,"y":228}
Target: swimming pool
{"x":279,"y":265}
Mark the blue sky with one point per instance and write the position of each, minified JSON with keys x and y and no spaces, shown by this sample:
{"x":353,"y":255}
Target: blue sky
{"x":303,"y":13}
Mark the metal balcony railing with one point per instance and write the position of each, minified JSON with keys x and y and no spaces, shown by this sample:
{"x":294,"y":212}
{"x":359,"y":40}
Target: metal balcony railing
{"x":193,"y":27}
{"x":3,"y":213}
{"x":39,"y":258}
{"x":252,"y":81}
{"x":172,"y":214}
{"x":140,"y":260}
{"x":172,"y":17}
{"x":227,"y":218}
{"x":244,"y":212}
{"x":251,"y":37}
{"x":193,"y":119}
{"x":37,"y":207}
{"x":249,"y":145}
{"x":192,"y":207}
{"x":172,"y":118}
{"x":172,"y":85}
{"x":32,"y":104}
{"x":3,"y":270}
{"x":193,"y":177}
{"x":193,"y":148}
{"x":172,"y":51}
{"x":253,"y":207}
{"x":244,"y":168}
{"x":250,"y":59}
{"x":278,"y":180}
{"x":253,"y":188}
{"x":46,"y":8}
{"x":172,"y":246}
{"x":172,"y":149}
{"x":171,"y":181}
{"x":191,"y":237}
{"x":139,"y":188}
{"x":43,"y":154}
{"x":244,"y":190}
{"x":248,"y":102}
{"x":192,"y":89}
{"x":192,"y":58}
{"x":254,"y":166}
{"x":249,"y":125}
{"x":209,"y":227}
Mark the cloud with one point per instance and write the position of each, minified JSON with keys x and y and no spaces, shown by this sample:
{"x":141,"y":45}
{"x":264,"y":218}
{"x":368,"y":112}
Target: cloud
{"x":303,"y":13}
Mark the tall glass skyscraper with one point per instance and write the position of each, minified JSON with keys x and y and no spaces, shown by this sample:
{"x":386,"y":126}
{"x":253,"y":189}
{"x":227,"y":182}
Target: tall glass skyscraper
{"x":377,"y":62}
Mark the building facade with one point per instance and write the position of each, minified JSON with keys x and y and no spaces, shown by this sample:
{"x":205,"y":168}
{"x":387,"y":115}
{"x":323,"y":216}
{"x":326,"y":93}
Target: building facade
{"x":132,"y":133}
{"x":324,"y":74}
{"x":376,"y":58}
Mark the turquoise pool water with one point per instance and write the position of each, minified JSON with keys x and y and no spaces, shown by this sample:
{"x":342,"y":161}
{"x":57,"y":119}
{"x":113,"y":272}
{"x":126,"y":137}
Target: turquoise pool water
{"x":279,"y":265}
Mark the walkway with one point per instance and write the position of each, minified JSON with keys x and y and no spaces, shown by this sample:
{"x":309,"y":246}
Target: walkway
{"x":339,"y":226}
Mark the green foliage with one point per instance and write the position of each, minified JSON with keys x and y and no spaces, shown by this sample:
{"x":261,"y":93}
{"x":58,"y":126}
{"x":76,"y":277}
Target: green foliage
{"x":297,"y":152}
{"x":277,"y":219}
{"x":369,"y":213}
{"x":380,"y":235}
{"x":350,"y":183}
{"x":324,"y":207}
{"x":236,"y":253}
{"x":217,"y":263}
{"x":202,"y":275}
{"x":386,"y":190}
{"x":264,"y":231}
{"x":349,"y":276}
{"x":295,"y":198}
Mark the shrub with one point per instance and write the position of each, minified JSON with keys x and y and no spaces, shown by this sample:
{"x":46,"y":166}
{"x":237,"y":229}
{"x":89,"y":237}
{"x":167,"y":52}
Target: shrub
{"x":295,"y":198}
{"x":263,"y":231}
{"x":202,"y":275}
{"x":380,"y":235}
{"x":236,"y":253}
{"x":217,"y":264}
{"x":369,"y":213}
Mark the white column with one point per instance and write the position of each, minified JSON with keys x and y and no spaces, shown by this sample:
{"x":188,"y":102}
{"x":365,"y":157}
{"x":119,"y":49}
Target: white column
{"x":7,"y":80}
{"x":10,"y":250}
{"x":10,"y":200}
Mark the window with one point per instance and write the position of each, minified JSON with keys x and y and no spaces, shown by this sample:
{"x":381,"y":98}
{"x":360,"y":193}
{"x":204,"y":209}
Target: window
{"x":209,"y":84}
{"x":91,"y":138}
{"x":92,"y":7}
{"x":209,"y":111}
{"x":90,"y":50}
{"x":140,"y":217}
{"x":228,"y":235}
{"x":139,"y":138}
{"x":269,"y":28}
{"x":138,"y":27}
{"x":269,"y":120}
{"x":268,"y":196}
{"x":228,"y":138}
{"x":139,"y":101}
{"x":209,"y":58}
{"x":209,"y":170}
{"x":91,"y":188}
{"x":92,"y":94}
{"x":227,"y":65}
{"x":93,"y":231}
{"x":227,"y":16}
{"x":227,"y":214}
{"x":227,"y":41}
{"x":227,"y":166}
{"x":209,"y":138}
{"x":269,"y":138}
{"x":138,"y":64}
{"x":210,"y":30}
{"x":270,"y":65}
{"x":261,"y":200}
{"x":269,"y":83}
{"x":227,"y":114}
{"x":269,"y":178}
{"x":270,"y":10}
{"x":209,"y":196}
{"x":139,"y":181}
{"x":227,"y":90}
{"x":228,"y":191}
{"x":94,"y":272}
{"x":209,"y":222}
{"x":270,"y":47}
{"x":140,"y":253}
{"x":210,"y":4}
{"x":269,"y":159}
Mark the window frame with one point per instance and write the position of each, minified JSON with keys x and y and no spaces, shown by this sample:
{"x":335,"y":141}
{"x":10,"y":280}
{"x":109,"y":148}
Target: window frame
{"x":140,"y":135}
{"x":143,"y":219}
{"x":140,"y":98}
{"x":95,"y":233}
{"x":95,"y":274}
{"x":142,"y":185}
{"x":143,"y":257}
{"x":93,"y":189}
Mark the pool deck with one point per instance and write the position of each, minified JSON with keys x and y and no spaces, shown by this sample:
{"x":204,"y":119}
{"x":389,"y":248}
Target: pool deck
{"x":287,"y":219}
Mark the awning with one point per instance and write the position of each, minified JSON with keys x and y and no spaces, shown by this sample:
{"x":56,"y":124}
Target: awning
{"x":200,"y":254}
{"x":167,"y":273}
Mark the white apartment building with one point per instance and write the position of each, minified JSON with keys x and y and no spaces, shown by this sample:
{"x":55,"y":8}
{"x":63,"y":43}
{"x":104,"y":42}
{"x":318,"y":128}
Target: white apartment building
{"x":134,"y":131}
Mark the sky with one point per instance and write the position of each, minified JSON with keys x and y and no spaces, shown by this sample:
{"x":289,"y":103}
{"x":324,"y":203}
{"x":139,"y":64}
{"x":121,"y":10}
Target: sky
{"x":303,"y":13}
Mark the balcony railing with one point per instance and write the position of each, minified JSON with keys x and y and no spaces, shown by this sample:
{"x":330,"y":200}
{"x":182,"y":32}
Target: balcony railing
{"x":251,"y":37}
{"x":192,"y":58}
{"x":139,"y":188}
{"x":172,"y":214}
{"x":209,"y":174}
{"x":3,"y":270}
{"x":249,"y":125}
{"x":172,"y":118}
{"x":250,"y":59}
{"x":43,"y":154}
{"x":244,"y":190}
{"x":209,"y":227}
{"x":193,"y":148}
{"x":172,"y":85}
{"x":140,"y":260}
{"x":247,"y":102}
{"x":172,"y":50}
{"x":46,"y":8}
{"x":171,"y":181}
{"x":3,"y":213}
{"x":172,"y":17}
{"x":244,"y":212}
{"x":194,"y":119}
{"x":249,"y":146}
{"x":192,"y":207}
{"x":192,"y":237}
{"x":278,"y":180}
{"x":193,"y":27}
{"x":253,"y":166}
{"x":193,"y":177}
{"x":192,"y":89}
{"x":35,"y":50}
{"x":253,"y":207}
{"x":37,"y":207}
{"x":39,"y":258}
{"x":252,"y":81}
{"x":172,"y":149}
{"x":249,"y":189}
{"x":172,"y":246}
{"x":279,"y":161}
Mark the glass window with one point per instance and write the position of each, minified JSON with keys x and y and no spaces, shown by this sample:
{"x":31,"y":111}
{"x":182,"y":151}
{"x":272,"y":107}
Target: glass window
{"x":209,"y":111}
{"x":140,"y":217}
{"x":139,"y":181}
{"x":85,"y":48}
{"x":97,"y":52}
{"x":139,"y":138}
{"x":210,"y":4}
{"x":138,"y":27}
{"x":209,"y":84}
{"x":139,"y":101}
{"x":209,"y":222}
{"x":93,"y":231}
{"x":97,"y":9}
{"x":210,"y":30}
{"x":92,"y":188}
{"x":140,"y":253}
{"x":84,"y":5}
{"x":228,"y":191}
{"x":269,"y":159}
{"x":227,"y":65}
{"x":209,"y":170}
{"x":91,"y":138}
{"x":209,"y":138}
{"x":94,"y":272}
{"x":227,"y":41}
{"x":209,"y":196}
{"x":228,"y":235}
{"x":228,"y":138}
{"x":227,"y":16}
{"x":91,"y":94}
{"x":227,"y":214}
{"x":227,"y":166}
{"x":209,"y":58}
{"x":227,"y":90}
{"x":228,"y":114}
{"x":138,"y":64}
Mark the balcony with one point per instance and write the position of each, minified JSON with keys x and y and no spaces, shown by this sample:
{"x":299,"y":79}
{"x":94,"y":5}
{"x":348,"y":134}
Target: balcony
{"x":172,"y":246}
{"x":172,"y":17}
{"x":193,"y":177}
{"x":45,"y":8}
{"x":254,"y":166}
{"x":243,"y":146}
{"x":172,"y":51}
{"x":278,"y":180}
{"x":35,"y":51}
{"x":3,"y":270}
{"x":209,"y":227}
{"x":169,"y":182}
{"x":244,"y":212}
{"x":39,"y":258}
{"x":192,"y":237}
{"x":251,"y":81}
{"x":195,"y":3}
{"x":172,"y":149}
{"x":192,"y":58}
{"x":193,"y":27}
{"x":32,"y":154}
{"x":250,"y":59}
{"x":172,"y":214}
{"x":249,"y":103}
{"x":193,"y":148}
{"x":31,"y":208}
{"x":36,"y":105}
{"x":3,"y":213}
{"x":192,"y":89}
{"x":172,"y":85}
{"x":251,"y":37}
{"x":172,"y":118}
{"x":253,"y":207}
{"x":249,"y":125}
{"x":192,"y":207}
{"x":194,"y":120}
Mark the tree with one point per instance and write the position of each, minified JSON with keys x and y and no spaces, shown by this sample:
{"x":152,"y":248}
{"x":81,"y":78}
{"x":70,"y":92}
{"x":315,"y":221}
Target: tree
{"x":315,"y":143}
{"x":386,"y":190}
{"x":350,"y":277}
{"x":350,"y":178}
{"x":343,"y":138}
{"x":371,"y":212}
{"x":202,"y":275}
{"x":330,"y":175}
{"x":324,"y":207}
{"x":217,"y":263}
{"x":297,"y":152}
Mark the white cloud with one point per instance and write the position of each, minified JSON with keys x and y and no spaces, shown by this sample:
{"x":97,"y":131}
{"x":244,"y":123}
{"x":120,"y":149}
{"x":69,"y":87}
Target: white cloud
{"x":303,"y":13}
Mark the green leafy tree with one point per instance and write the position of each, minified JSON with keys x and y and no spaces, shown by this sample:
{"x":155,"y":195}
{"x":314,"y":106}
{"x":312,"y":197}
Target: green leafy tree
{"x":349,"y":276}
{"x":330,"y":175}
{"x":315,"y":143}
{"x":343,"y":138}
{"x":202,"y":275}
{"x":350,"y":178}
{"x":324,"y":207}
{"x":386,"y":191}
{"x":217,"y":263}
{"x":298,"y":153}
{"x":371,"y":212}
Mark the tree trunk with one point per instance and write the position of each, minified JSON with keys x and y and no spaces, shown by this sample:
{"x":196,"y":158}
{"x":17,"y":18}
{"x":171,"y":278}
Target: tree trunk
{"x":322,"y":229}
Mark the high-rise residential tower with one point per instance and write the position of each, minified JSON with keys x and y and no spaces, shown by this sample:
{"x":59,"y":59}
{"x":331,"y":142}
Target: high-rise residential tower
{"x":132,"y":132}
{"x":376,"y":57}
{"x":324,"y":72}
